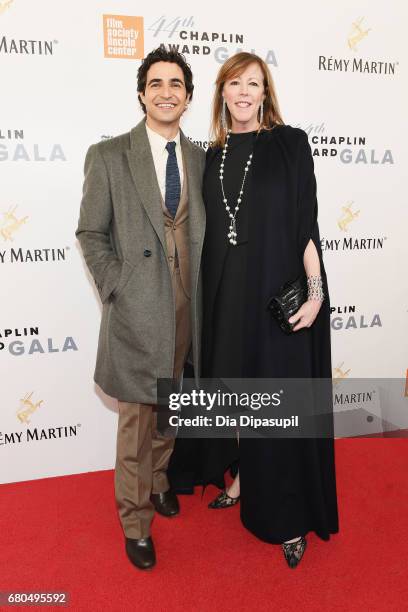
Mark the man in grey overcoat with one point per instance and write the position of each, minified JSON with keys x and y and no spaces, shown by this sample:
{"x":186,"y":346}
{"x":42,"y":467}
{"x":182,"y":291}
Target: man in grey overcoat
{"x":141,"y":230}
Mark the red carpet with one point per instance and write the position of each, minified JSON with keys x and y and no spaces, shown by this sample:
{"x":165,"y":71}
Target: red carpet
{"x":63,"y":534}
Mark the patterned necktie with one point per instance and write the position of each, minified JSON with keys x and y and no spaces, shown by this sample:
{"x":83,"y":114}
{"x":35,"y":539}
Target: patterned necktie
{"x":173,"y":188}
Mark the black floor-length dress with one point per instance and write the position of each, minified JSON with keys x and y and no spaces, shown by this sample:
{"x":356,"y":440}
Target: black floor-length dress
{"x":288,"y":486}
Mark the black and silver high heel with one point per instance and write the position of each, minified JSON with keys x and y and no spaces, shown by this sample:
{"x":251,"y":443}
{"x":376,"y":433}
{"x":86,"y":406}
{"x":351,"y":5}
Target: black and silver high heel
{"x":223,"y":500}
{"x":293,"y":551}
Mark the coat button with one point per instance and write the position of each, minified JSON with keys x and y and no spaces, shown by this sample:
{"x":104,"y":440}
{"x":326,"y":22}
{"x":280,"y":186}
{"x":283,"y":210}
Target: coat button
{"x":147,"y":253}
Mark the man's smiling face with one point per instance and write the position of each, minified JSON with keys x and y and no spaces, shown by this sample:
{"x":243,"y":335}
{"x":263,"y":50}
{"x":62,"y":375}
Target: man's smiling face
{"x":165,"y":96}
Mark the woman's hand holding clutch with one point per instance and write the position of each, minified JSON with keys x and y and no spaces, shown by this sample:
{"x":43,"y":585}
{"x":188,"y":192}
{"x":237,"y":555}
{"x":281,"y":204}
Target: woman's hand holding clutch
{"x":306,"y":314}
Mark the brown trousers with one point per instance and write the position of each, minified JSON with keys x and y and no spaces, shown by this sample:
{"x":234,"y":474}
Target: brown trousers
{"x":142,"y":453}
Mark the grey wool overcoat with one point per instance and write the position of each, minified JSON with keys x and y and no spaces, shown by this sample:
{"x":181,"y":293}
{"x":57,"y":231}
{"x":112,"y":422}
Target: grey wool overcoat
{"x":121,"y":232}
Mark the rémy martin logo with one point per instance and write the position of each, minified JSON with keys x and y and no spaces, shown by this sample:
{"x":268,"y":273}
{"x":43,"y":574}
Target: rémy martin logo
{"x":4,"y":5}
{"x":347,"y":217}
{"x":10,"y":224}
{"x":339,"y":373}
{"x":357,"y":34}
{"x":27,"y":408}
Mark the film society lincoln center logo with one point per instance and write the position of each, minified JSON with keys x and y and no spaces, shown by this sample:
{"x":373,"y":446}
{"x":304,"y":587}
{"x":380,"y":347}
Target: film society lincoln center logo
{"x":123,"y":36}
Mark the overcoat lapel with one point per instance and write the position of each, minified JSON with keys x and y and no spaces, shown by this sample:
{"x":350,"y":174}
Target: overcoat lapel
{"x":144,"y":176}
{"x":143,"y":172}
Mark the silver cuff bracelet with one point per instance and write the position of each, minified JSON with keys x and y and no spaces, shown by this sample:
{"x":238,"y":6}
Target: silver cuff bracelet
{"x":315,"y":288}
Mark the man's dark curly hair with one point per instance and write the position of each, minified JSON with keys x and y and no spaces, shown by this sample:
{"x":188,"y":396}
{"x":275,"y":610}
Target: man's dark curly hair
{"x":161,"y":54}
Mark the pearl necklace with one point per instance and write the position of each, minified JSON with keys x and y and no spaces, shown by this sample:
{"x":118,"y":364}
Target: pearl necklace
{"x":232,"y":235}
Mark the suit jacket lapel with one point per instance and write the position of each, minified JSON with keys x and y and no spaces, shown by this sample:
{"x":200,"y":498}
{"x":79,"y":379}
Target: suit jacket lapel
{"x":143,"y":172}
{"x":144,"y":177}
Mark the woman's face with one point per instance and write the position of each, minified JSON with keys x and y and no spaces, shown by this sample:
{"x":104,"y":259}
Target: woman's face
{"x":243,"y":95}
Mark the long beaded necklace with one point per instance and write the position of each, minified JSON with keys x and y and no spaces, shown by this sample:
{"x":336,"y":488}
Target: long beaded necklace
{"x":232,"y":234}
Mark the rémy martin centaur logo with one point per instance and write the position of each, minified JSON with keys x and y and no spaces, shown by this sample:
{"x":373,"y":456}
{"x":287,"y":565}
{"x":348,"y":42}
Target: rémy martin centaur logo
{"x":10,"y":224}
{"x":4,"y":5}
{"x":355,"y":63}
{"x":349,"y":242}
{"x":357,"y":34}
{"x":347,"y":217}
{"x":339,"y":373}
{"x":27,"y":408}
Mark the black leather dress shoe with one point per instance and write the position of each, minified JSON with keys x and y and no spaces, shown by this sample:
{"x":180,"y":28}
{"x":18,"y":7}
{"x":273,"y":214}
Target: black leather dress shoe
{"x":166,"y":503}
{"x":141,"y":552}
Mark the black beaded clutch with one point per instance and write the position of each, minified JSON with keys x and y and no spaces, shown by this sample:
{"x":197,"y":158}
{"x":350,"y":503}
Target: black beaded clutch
{"x":288,"y":301}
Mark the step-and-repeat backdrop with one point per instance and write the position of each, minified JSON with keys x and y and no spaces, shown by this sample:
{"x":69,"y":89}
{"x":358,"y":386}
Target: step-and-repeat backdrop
{"x":68,"y":79}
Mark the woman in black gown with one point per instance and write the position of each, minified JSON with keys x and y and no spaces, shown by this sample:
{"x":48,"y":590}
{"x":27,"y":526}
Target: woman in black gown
{"x":260,"y":196}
